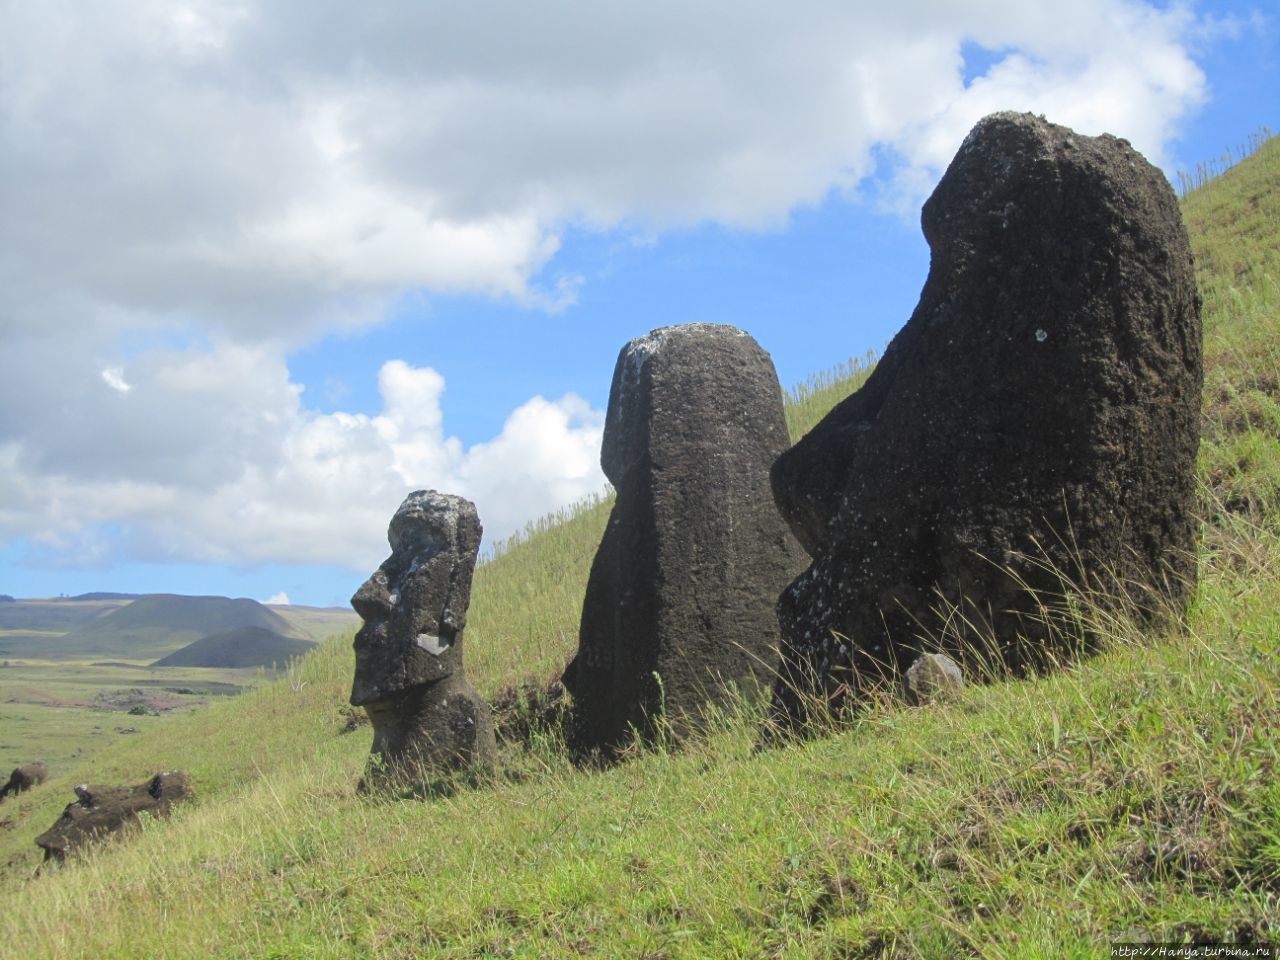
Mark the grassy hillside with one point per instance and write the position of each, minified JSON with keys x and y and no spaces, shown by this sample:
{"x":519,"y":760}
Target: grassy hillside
{"x":64,"y":704}
{"x":161,"y":623}
{"x":1233,"y":225}
{"x":237,"y":648}
{"x":317,"y":623}
{"x":54,"y":616}
{"x":27,"y":626}
{"x":1133,"y":797}
{"x":65,"y":711}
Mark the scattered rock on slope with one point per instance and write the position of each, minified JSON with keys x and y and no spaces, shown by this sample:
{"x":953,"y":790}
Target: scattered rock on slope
{"x":24,"y":778}
{"x":933,"y":677}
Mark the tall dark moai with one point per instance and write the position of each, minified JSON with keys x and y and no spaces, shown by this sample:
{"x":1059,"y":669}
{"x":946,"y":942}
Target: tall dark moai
{"x":1031,"y":430}
{"x":427,"y":719}
{"x":679,"y":605}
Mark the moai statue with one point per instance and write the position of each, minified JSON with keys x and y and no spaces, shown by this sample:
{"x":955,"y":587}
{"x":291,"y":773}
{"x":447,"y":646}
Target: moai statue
{"x":427,"y":719}
{"x":104,"y":811}
{"x":678,"y":614}
{"x":1029,"y":435}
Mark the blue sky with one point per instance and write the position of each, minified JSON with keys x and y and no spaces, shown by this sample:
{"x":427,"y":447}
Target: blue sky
{"x":264,"y":269}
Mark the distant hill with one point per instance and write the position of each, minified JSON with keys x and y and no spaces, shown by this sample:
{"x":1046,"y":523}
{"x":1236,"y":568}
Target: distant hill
{"x":108,"y":626}
{"x":158,"y":624}
{"x":317,"y":623}
{"x":53,"y":616}
{"x":240,"y":647}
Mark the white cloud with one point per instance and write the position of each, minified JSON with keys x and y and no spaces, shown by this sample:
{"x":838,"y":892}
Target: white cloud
{"x":279,"y":169}
{"x":113,"y":377}
{"x":279,"y":599}
{"x":239,"y":472}
{"x":193,"y":189}
{"x":548,"y":453}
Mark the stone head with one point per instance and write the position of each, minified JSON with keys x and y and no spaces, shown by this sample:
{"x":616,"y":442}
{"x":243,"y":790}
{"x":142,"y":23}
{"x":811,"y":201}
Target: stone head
{"x":1016,"y":171}
{"x":675,"y":355}
{"x":414,"y":606}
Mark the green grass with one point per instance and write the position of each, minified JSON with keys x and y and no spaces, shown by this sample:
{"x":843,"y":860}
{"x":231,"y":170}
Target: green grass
{"x":810,"y":401}
{"x":65,"y":712}
{"x":1131,"y":797}
{"x":1136,"y":791}
{"x":63,"y":705}
{"x":527,"y":597}
{"x":1234,"y":228}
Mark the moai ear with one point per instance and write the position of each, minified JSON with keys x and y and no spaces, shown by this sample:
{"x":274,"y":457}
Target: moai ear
{"x":466,"y":547}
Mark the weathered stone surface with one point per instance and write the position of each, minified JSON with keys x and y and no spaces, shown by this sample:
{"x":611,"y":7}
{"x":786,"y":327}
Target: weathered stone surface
{"x":100,"y":811}
{"x":1034,"y":424}
{"x":679,"y":601}
{"x":24,"y":778}
{"x":427,"y":718}
{"x":933,"y":677}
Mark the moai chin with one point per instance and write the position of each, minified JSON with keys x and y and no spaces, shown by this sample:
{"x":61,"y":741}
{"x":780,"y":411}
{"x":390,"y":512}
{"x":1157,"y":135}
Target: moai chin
{"x":427,"y":719}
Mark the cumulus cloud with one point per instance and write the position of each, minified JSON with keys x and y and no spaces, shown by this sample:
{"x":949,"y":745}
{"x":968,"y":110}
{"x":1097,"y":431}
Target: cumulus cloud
{"x":285,"y":168}
{"x":194,"y":188}
{"x":265,"y":480}
{"x":113,"y":377}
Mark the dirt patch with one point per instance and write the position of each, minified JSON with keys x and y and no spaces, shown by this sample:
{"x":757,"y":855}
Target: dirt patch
{"x":531,"y":710}
{"x":136,"y":700}
{"x":353,"y":718}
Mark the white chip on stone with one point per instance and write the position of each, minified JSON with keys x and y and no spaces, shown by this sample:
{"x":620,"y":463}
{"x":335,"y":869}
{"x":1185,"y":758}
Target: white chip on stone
{"x":431,"y":644}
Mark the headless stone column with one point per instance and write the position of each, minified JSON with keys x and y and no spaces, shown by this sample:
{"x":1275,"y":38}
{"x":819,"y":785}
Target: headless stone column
{"x":679,"y":605}
{"x":427,"y":719}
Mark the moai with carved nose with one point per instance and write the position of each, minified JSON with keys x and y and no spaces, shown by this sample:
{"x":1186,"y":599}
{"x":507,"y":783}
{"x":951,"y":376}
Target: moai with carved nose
{"x":1028,"y":438}
{"x":427,"y":718}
